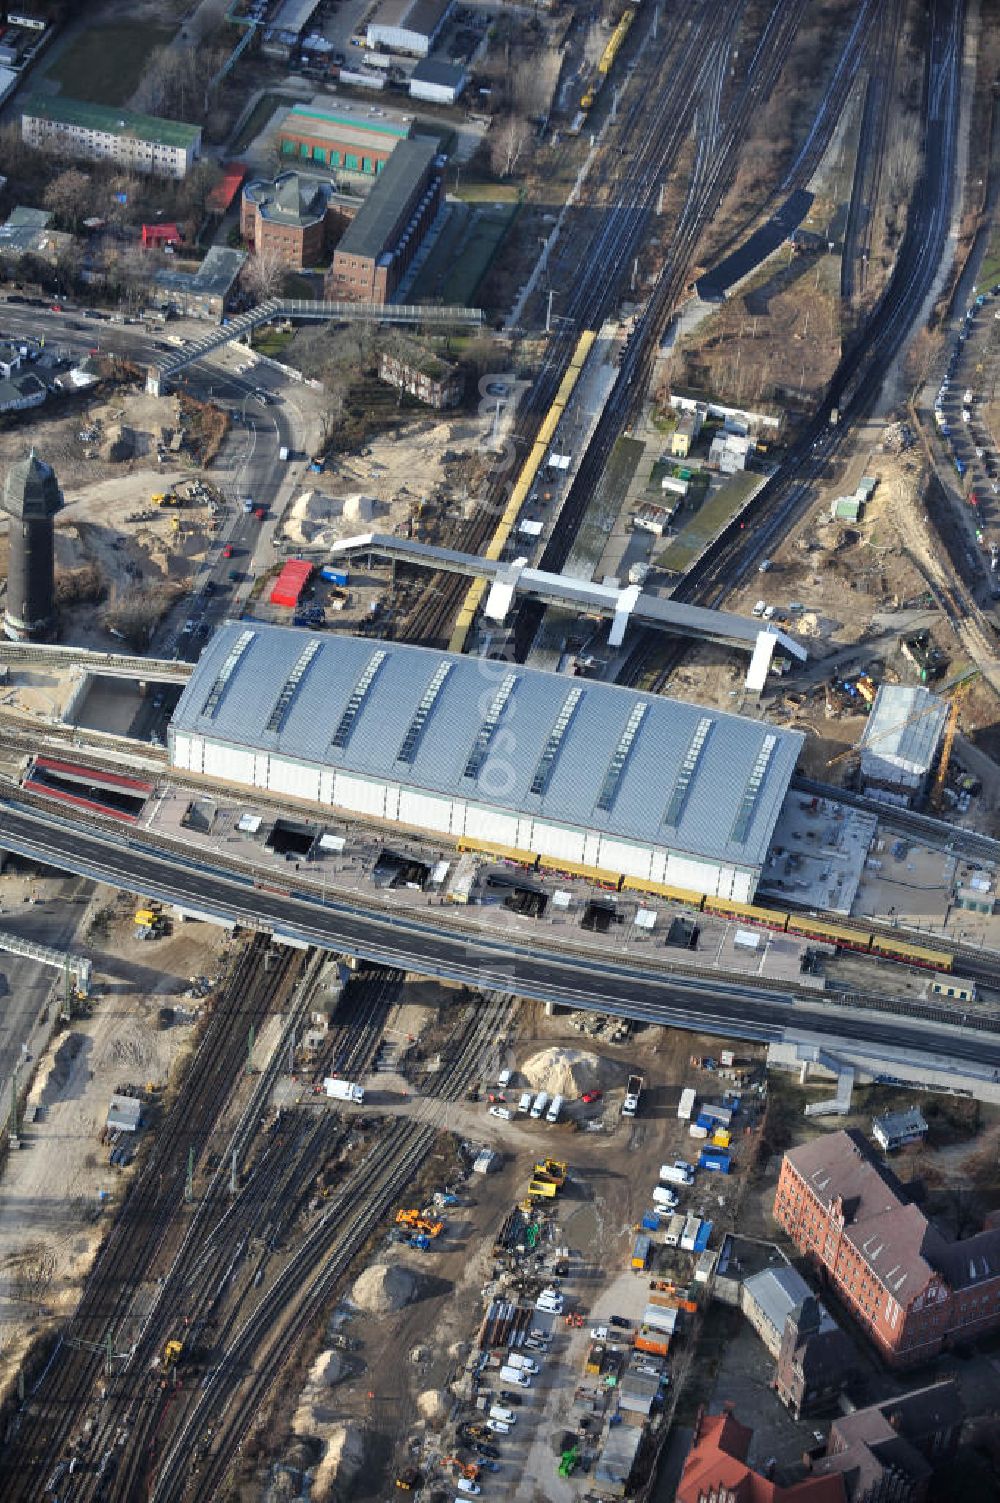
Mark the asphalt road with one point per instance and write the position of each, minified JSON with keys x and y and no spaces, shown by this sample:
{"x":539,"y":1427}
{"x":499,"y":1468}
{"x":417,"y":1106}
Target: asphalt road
{"x":710,"y":1005}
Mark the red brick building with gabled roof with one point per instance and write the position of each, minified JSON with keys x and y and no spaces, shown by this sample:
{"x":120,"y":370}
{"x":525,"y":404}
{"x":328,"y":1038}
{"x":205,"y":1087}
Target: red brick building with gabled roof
{"x":717,"y":1468}
{"x":912,"y":1290}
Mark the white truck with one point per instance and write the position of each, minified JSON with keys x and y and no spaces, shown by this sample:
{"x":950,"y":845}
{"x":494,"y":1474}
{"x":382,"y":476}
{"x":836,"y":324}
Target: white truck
{"x":541,"y":1102}
{"x":526,"y":1364}
{"x":664,"y":1199}
{"x":680,"y":1172}
{"x":685,"y":1107}
{"x":552,"y":1115}
{"x":343,"y":1090}
{"x":524,"y":1105}
{"x":515,"y":1375}
{"x":632,"y":1091}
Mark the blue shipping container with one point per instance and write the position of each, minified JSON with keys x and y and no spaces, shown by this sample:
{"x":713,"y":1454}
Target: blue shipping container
{"x":704,"y":1232}
{"x":713,"y":1160}
{"x":650,"y":1222}
{"x":333,"y":576}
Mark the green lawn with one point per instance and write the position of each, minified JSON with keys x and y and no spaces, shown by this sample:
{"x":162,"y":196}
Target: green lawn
{"x":273,"y":342}
{"x":464,"y":253}
{"x":474,"y":192}
{"x":989,"y":272}
{"x":707,"y":521}
{"x":104,"y":64}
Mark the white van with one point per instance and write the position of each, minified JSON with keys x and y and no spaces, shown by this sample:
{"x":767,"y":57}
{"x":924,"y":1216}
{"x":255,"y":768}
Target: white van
{"x":541,"y":1102}
{"x":524,"y":1105}
{"x":759,"y":608}
{"x":503,"y":1080}
{"x":505,"y":1416}
{"x":552,"y":1115}
{"x":515,"y":1375}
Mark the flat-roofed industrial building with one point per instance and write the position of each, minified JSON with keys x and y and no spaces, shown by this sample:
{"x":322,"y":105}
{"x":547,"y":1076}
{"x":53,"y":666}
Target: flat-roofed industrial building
{"x":334,"y":138}
{"x":574,"y":774}
{"x":411,"y":26}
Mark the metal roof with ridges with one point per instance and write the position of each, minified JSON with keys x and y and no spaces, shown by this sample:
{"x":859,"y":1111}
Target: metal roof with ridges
{"x":728,"y":760}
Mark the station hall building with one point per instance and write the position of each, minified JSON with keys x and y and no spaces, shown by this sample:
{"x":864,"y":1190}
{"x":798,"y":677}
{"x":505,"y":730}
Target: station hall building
{"x":576,"y":775}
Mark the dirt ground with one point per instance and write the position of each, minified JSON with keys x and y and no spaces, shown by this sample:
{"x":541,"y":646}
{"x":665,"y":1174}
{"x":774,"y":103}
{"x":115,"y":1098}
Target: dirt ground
{"x":57,"y":1197}
{"x":110,"y":540}
{"x":397,"y":1357}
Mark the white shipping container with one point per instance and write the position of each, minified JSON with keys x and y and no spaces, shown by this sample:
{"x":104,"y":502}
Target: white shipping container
{"x":343,"y":1090}
{"x":685,"y":1107}
{"x":689,"y":1236}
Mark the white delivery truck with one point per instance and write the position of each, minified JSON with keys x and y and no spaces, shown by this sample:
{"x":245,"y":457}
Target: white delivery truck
{"x":526,"y":1364}
{"x":541,"y":1102}
{"x":524,"y":1105}
{"x":632,"y":1091}
{"x":503,"y":1415}
{"x":515,"y":1375}
{"x":343,"y":1090}
{"x":552,"y":1115}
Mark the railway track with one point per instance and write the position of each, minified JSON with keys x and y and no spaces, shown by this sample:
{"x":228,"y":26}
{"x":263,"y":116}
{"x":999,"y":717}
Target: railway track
{"x":260,"y":1342}
{"x":39,"y":1433}
{"x":622,"y":196}
{"x":858,"y":379}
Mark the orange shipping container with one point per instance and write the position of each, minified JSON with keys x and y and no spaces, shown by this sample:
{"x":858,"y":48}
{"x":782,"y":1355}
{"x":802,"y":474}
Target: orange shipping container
{"x":649,"y":1340}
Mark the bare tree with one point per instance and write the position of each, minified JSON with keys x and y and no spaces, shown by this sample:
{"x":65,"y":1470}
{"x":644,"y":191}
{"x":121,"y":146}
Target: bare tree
{"x":507,"y":140}
{"x":534,"y":81}
{"x":69,"y":196}
{"x":264,"y":273}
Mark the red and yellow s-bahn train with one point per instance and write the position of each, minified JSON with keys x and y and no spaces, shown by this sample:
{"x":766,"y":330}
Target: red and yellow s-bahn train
{"x":861,"y":940}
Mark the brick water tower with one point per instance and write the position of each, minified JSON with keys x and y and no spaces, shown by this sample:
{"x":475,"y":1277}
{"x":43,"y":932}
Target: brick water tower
{"x":31,"y":498}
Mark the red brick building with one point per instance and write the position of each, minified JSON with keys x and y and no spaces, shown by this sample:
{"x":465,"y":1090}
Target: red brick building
{"x":294,"y":218}
{"x":390,"y":227}
{"x":913,"y":1292}
{"x":889,"y":1452}
{"x":716,"y":1469}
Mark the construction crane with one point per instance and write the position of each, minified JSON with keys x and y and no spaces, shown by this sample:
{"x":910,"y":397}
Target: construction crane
{"x":953,"y":697}
{"x":947,"y":745}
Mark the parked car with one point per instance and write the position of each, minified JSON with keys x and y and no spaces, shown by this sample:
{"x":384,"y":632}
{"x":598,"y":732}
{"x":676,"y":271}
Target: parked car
{"x":598,"y":1333}
{"x":589,"y":1096}
{"x":497,"y":1427}
{"x":501,"y":1111}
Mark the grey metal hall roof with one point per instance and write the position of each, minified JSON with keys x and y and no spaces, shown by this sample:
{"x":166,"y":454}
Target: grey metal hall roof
{"x":594,"y":756}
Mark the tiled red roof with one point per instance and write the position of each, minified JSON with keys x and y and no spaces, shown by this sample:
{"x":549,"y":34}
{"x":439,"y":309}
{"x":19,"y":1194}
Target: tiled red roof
{"x":718,"y":1460}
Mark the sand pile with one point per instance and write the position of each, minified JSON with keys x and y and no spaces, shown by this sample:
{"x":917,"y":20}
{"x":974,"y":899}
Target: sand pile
{"x":341,"y":1464}
{"x":308,"y":518}
{"x":433,"y":1407}
{"x":383,"y":1288}
{"x":329,"y":1368}
{"x":568,"y":1072}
